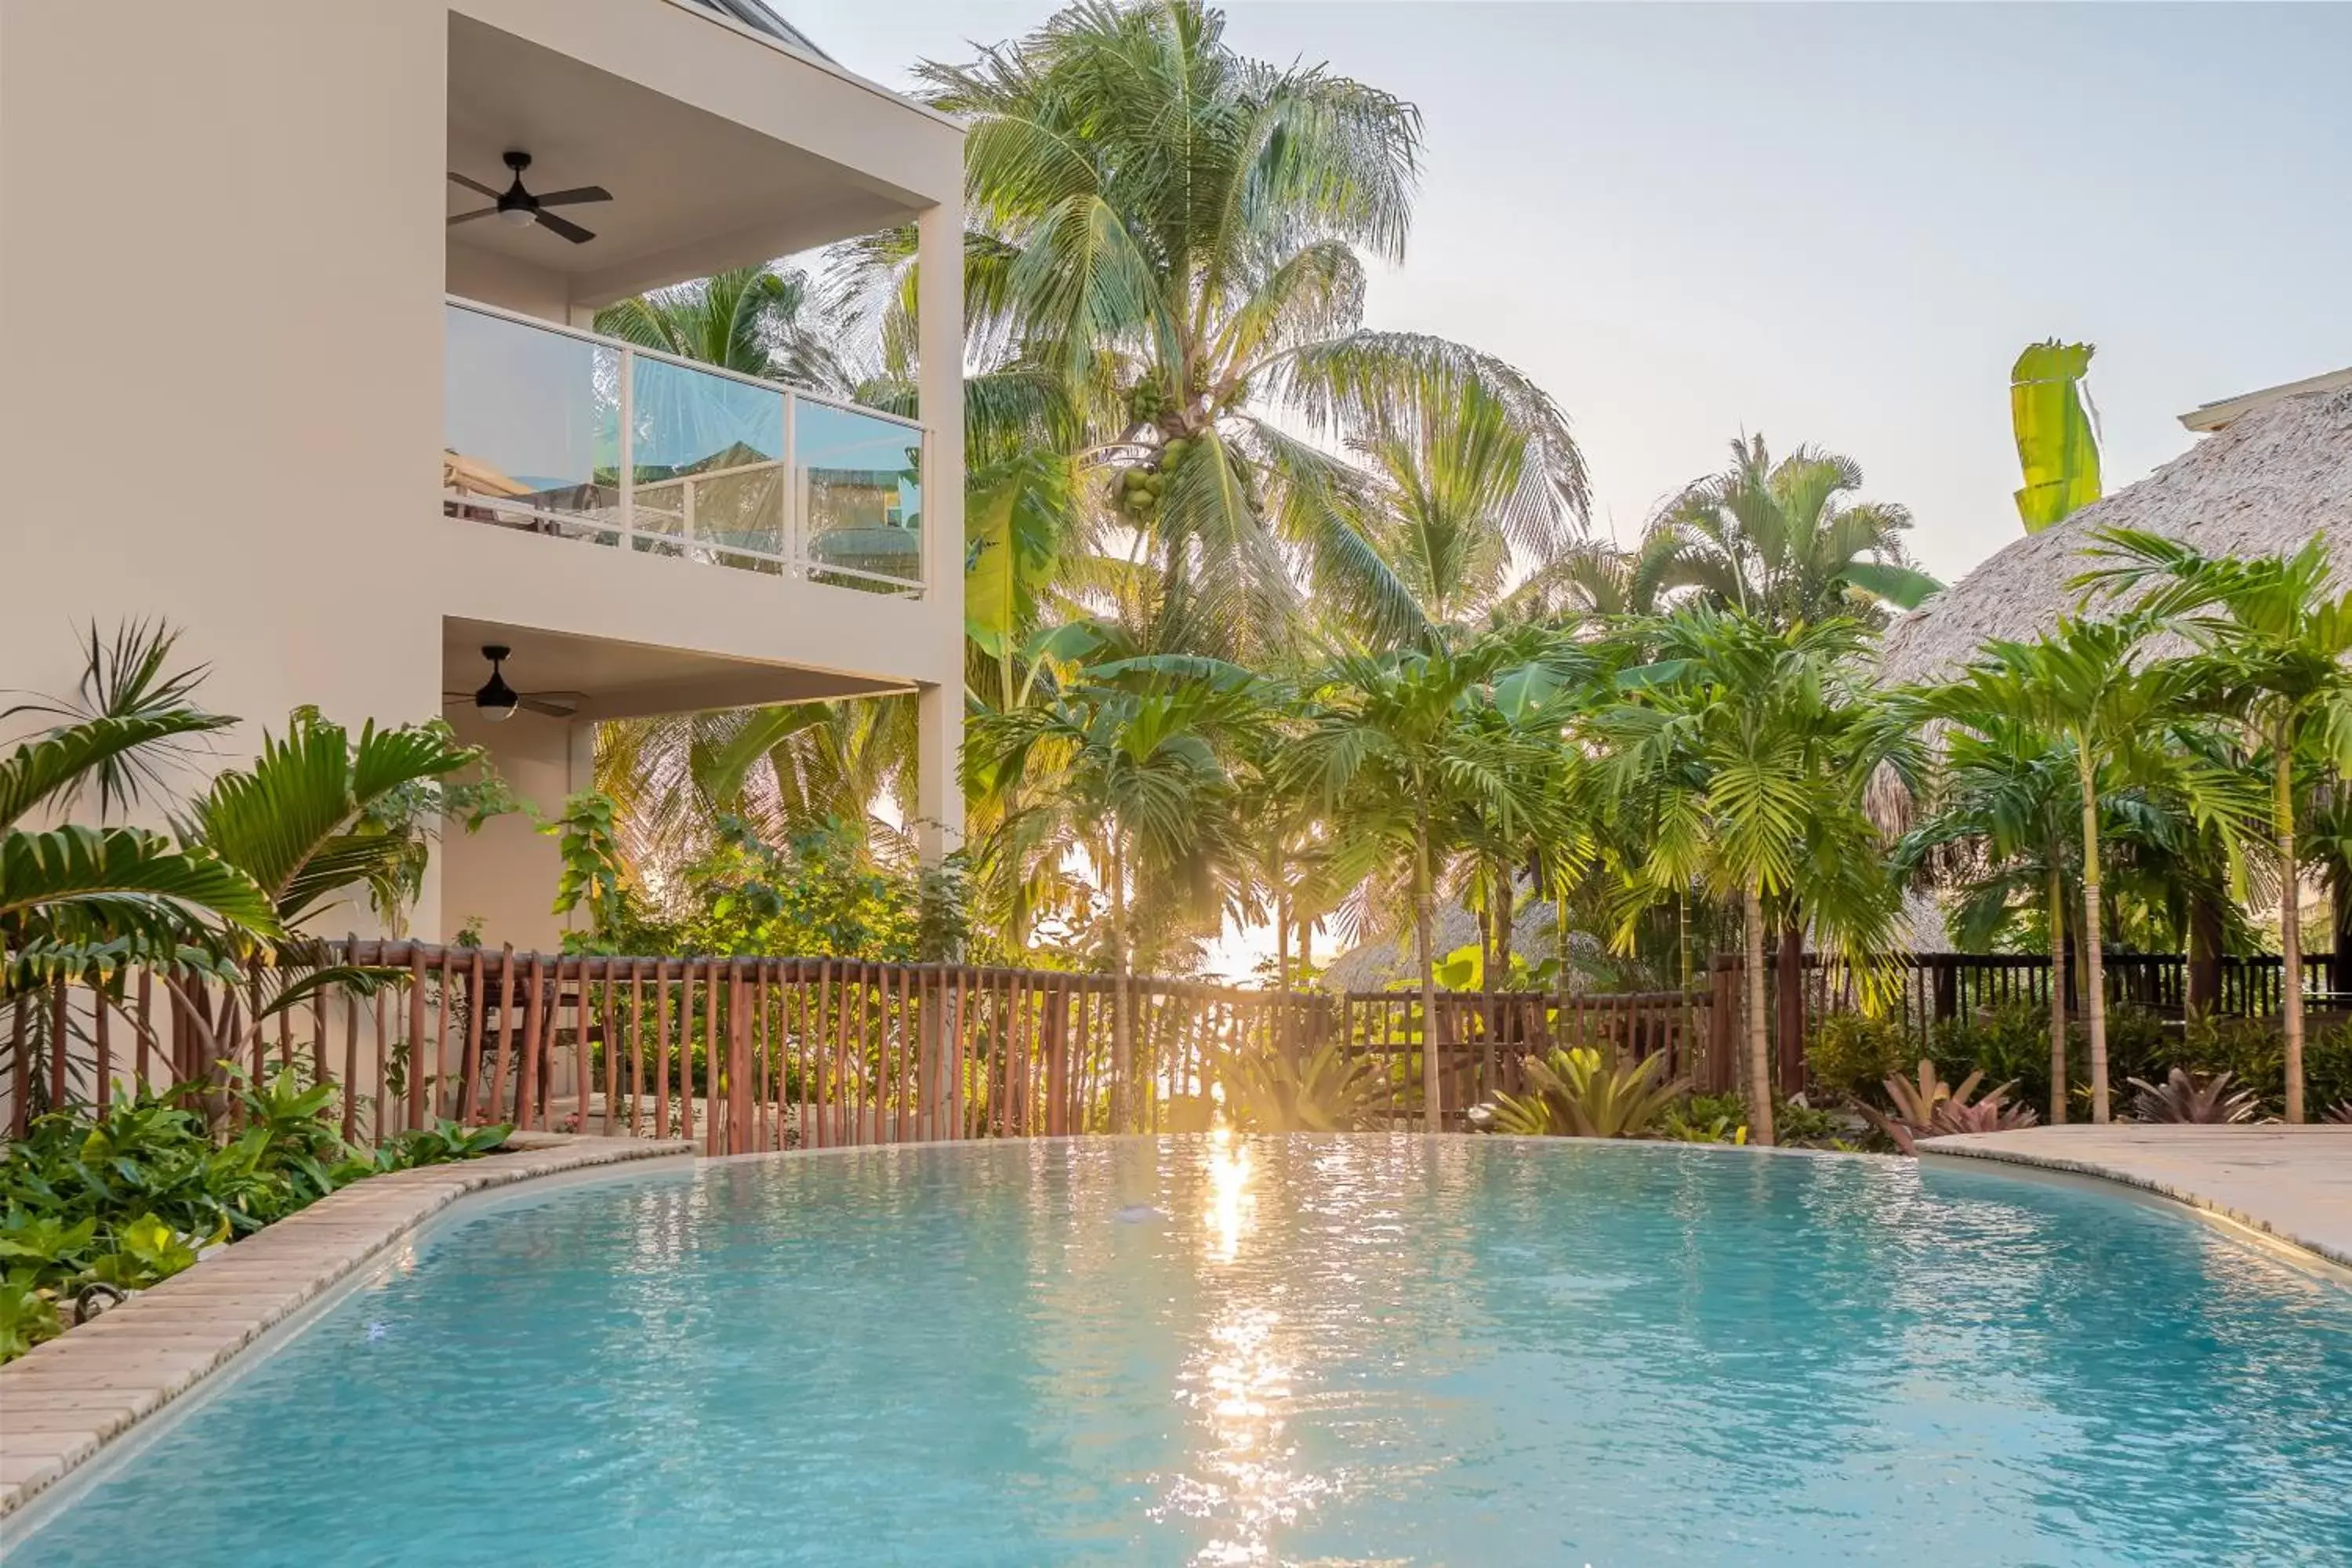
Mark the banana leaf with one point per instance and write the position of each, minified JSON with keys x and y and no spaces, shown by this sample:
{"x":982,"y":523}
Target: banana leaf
{"x":2057,"y":437}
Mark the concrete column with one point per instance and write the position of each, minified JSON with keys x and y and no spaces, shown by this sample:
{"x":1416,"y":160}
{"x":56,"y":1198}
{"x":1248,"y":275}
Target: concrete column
{"x":939,"y":306}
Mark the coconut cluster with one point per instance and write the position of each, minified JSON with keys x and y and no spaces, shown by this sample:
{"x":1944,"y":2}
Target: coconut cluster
{"x":1136,"y":490}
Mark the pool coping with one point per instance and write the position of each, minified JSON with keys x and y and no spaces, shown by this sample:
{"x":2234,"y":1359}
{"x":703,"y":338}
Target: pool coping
{"x":2286,"y":1187}
{"x":63,"y":1402}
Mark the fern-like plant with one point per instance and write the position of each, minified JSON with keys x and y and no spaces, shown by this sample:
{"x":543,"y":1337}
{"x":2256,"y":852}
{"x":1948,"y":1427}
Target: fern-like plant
{"x":2193,"y":1096}
{"x":1576,"y":1094}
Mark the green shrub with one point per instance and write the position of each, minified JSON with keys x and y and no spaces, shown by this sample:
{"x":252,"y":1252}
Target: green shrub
{"x":2252,"y":1051}
{"x":1848,"y":1056}
{"x":1707,"y":1119}
{"x":133,"y":1197}
{"x":2009,"y":1044}
{"x":1796,"y":1124}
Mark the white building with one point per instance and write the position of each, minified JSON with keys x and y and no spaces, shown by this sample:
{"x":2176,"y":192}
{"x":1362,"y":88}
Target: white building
{"x":259,"y":383}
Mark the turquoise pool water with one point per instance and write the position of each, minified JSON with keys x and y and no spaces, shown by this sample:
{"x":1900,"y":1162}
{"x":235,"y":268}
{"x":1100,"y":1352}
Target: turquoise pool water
{"x":1366,"y":1350}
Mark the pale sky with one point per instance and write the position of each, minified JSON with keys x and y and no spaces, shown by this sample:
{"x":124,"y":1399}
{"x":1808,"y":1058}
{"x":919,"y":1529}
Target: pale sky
{"x":1834,"y":224}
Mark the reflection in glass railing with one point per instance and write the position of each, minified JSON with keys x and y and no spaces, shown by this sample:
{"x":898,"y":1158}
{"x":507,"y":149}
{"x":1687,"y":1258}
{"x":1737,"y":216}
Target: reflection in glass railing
{"x":532,"y":428}
{"x":861,"y":491}
{"x":707,"y":453}
{"x":557,"y":432}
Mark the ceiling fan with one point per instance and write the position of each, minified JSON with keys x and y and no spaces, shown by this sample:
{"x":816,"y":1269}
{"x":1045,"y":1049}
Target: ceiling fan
{"x":520,"y":207}
{"x":497,"y":701}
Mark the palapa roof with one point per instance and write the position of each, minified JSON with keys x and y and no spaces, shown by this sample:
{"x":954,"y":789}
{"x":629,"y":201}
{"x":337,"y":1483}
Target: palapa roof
{"x":2278,"y":475}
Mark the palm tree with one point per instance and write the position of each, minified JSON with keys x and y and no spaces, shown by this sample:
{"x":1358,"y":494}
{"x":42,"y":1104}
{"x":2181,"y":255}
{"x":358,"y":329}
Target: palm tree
{"x":258,"y":854}
{"x":2274,"y":632}
{"x":846,"y":767}
{"x":1409,"y":750}
{"x":755,"y":320}
{"x":1782,"y":541}
{"x":321,"y":810}
{"x":2084,"y":685}
{"x":1745,"y":752}
{"x":1126,"y":765}
{"x":2007,"y":802}
{"x":1460,"y":499}
{"x":1177,"y":234}
{"x":82,"y":902}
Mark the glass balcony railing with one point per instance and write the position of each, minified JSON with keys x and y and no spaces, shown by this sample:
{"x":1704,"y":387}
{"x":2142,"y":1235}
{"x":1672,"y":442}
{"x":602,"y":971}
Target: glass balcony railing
{"x":561,"y":432}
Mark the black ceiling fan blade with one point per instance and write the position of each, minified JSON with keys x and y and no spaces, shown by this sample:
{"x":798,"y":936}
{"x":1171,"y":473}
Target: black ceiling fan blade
{"x":476,"y":186}
{"x":575,"y":196}
{"x":553,"y":704}
{"x":564,"y":226}
{"x":469,"y":217}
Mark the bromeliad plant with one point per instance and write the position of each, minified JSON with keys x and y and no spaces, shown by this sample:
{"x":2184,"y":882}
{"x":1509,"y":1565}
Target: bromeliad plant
{"x":1927,"y":1107}
{"x":1326,"y":1091}
{"x":1576,"y":1093}
{"x":2191,"y":1097}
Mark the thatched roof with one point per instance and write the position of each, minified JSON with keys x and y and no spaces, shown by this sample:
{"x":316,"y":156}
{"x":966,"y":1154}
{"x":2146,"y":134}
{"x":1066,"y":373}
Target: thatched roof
{"x":2279,"y":474}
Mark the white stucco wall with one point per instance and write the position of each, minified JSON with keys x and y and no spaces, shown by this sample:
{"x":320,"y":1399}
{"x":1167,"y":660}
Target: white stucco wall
{"x":220,"y":315}
{"x":222,"y":392}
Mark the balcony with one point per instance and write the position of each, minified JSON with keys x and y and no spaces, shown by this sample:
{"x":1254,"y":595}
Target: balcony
{"x":550,"y":430}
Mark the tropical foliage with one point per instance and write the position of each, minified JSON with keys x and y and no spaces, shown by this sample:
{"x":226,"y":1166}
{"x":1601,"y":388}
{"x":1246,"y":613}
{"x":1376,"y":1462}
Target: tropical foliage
{"x":127,"y":1197}
{"x":1578,"y":1093}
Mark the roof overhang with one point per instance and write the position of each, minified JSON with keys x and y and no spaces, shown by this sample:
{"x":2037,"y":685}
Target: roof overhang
{"x":2212,"y":416}
{"x":721,"y":147}
{"x":616,"y":679}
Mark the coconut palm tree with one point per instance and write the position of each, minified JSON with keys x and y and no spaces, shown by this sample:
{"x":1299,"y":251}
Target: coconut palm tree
{"x":2275,"y":631}
{"x":1782,"y":541}
{"x":1459,"y":500}
{"x":755,"y":320}
{"x":1410,"y":750}
{"x":1745,"y":751}
{"x":1178,"y":234}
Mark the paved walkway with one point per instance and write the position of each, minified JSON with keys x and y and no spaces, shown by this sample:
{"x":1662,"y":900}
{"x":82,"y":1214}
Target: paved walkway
{"x":2294,"y":1182}
{"x":63,"y":1401}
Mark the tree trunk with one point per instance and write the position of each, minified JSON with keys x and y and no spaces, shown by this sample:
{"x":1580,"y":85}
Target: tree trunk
{"x":1759,"y":1064}
{"x":1789,"y":1014}
{"x":1498,"y":978}
{"x":2095,"y":978}
{"x":2290,"y":919}
{"x":1122,"y":1002}
{"x":2204,"y":990}
{"x":2058,"y":1085}
{"x":1282,"y":974}
{"x":1432,"y":1112}
{"x":2340,"y":910}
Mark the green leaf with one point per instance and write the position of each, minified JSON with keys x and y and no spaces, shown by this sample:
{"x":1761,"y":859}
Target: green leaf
{"x":2057,"y":444}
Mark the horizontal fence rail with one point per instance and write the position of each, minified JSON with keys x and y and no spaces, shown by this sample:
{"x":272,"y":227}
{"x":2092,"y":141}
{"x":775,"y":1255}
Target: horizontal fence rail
{"x":1925,"y":992}
{"x":742,"y":1054}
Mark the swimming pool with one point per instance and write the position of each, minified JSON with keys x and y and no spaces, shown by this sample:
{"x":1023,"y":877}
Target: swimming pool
{"x":1366,"y":1349}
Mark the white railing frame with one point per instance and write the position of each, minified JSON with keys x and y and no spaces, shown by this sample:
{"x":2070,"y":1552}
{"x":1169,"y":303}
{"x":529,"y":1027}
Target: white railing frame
{"x":795,"y":558}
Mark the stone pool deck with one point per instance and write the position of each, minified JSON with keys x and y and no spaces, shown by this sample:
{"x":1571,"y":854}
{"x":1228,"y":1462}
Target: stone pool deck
{"x":2291,"y":1183}
{"x":63,"y":1402}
